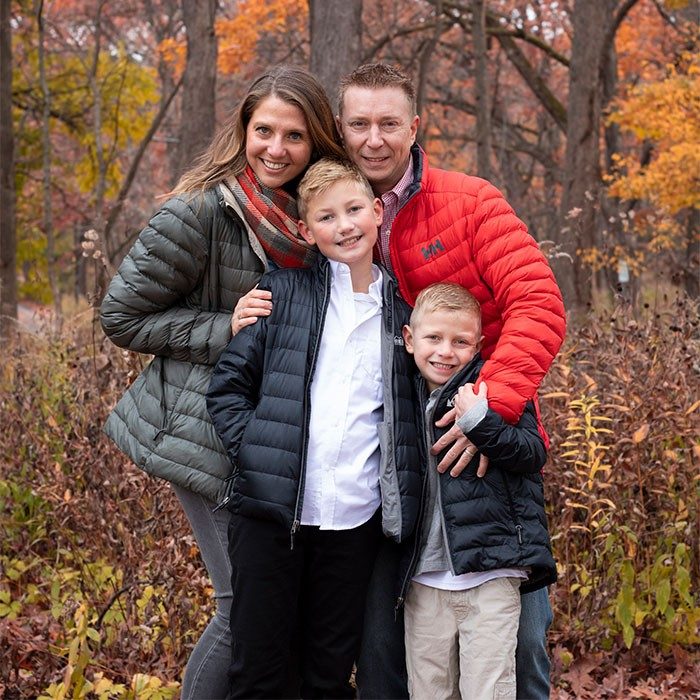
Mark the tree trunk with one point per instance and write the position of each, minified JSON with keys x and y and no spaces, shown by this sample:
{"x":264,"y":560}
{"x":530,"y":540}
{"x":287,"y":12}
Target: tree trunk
{"x":198,"y":108}
{"x":102,"y":165}
{"x":691,"y":268}
{"x":164,"y":16}
{"x":481,"y":98}
{"x":335,"y":27}
{"x":581,"y":182}
{"x":46,"y":165}
{"x":8,"y":238}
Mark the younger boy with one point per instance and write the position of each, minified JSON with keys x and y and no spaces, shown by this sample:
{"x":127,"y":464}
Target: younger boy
{"x":479,"y":541}
{"x":314,"y":404}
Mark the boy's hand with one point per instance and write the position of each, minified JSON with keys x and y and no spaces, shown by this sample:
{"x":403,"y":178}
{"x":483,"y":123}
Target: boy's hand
{"x":466,"y":398}
{"x":256,"y":303}
{"x":462,"y":449}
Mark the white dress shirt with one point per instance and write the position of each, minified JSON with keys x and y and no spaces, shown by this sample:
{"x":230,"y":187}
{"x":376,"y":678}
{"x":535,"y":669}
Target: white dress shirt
{"x":341,"y":488}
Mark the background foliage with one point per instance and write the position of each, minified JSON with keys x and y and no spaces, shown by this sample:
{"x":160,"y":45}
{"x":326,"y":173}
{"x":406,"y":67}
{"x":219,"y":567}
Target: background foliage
{"x":113,"y":71}
{"x":102,"y":591}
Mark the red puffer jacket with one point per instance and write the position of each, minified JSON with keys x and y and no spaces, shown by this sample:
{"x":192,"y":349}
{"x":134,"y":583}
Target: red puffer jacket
{"x":457,"y":228}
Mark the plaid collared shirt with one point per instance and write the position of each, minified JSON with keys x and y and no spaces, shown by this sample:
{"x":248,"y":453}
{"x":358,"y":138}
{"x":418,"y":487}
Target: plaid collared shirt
{"x":393,"y":200}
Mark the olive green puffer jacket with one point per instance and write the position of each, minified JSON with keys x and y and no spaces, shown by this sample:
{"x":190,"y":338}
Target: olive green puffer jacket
{"x":172,"y":297}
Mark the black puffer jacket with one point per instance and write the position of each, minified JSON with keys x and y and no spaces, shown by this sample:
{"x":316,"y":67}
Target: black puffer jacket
{"x":258,"y":400}
{"x":497,"y":521}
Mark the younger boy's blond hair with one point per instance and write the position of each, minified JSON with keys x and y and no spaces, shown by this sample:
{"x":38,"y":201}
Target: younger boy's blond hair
{"x":325,"y":173}
{"x":444,"y":296}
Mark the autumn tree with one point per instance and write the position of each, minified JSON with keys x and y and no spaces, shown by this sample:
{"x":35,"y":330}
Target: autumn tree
{"x":664,"y":119}
{"x":101,"y":116}
{"x":8,"y":241}
{"x":514,"y":91}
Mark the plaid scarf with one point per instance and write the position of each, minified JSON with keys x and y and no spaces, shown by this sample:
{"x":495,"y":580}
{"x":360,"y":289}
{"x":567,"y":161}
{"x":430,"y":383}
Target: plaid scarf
{"x":272,"y":215}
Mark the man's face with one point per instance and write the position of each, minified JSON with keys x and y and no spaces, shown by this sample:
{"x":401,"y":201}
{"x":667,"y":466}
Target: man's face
{"x":378,"y":129}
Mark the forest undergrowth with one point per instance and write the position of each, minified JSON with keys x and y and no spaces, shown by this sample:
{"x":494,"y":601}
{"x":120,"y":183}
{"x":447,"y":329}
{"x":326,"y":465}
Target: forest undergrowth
{"x":102,"y":592}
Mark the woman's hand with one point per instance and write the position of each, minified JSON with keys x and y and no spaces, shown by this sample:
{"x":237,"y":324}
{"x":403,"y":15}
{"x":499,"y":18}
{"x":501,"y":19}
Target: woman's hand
{"x":250,"y":307}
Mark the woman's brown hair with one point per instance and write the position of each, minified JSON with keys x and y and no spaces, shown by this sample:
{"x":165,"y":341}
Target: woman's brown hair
{"x":226,"y":153}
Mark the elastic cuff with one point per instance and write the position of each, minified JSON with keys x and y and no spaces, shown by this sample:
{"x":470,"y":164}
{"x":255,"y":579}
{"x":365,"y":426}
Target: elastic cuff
{"x":473,"y":416}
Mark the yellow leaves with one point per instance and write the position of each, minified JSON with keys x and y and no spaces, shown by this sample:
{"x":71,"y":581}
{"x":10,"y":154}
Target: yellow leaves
{"x":667,"y":113}
{"x":694,"y":407}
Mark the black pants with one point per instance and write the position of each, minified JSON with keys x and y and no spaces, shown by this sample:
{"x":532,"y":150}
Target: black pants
{"x":297,"y":613}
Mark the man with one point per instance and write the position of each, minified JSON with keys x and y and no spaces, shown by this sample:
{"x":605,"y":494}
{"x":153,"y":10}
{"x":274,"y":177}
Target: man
{"x":444,"y":226}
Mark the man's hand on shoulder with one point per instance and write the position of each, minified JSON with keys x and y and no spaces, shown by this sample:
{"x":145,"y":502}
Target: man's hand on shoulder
{"x":461,"y":450}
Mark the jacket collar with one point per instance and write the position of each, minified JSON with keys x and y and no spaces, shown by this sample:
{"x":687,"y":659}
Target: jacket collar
{"x":420,"y":166}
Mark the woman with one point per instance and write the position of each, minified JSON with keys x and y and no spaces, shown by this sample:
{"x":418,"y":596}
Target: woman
{"x":232,"y":216}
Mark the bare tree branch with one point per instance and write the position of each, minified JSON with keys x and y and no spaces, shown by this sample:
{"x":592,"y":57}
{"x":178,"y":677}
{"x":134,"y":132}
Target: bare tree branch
{"x":423,"y":63}
{"x":549,"y":101}
{"x":516,"y":33}
{"x":519,"y":143}
{"x":133,"y":168}
{"x":617,"y":20}
{"x":390,"y":36}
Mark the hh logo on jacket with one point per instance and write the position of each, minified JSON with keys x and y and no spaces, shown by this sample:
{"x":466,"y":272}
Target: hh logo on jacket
{"x":432,"y":249}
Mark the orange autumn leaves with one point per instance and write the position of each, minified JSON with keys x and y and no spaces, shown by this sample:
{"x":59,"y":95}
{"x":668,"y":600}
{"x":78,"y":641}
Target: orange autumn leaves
{"x":666,"y":113}
{"x":239,"y":35}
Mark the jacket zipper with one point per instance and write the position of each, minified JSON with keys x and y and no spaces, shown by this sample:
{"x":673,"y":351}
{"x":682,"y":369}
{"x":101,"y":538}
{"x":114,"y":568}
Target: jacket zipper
{"x":227,"y":490}
{"x":421,"y":516}
{"x":416,"y":547}
{"x":307,"y":416}
{"x":438,"y":502}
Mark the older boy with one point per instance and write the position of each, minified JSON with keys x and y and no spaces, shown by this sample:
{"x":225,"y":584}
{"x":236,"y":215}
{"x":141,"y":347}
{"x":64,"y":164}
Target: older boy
{"x":480,"y":541}
{"x":314,"y":404}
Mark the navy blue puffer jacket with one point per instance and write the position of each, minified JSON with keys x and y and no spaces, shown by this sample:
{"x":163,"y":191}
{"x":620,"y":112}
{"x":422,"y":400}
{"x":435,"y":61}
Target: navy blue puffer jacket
{"x":258,"y":400}
{"x":497,"y":521}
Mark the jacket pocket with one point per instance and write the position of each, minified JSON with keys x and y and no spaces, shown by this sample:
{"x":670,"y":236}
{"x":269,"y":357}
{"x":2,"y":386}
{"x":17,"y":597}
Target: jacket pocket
{"x":511,"y":506}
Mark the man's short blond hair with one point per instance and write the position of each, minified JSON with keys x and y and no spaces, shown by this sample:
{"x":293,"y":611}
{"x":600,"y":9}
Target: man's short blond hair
{"x":374,"y":76}
{"x":325,"y":173}
{"x":445,"y":296}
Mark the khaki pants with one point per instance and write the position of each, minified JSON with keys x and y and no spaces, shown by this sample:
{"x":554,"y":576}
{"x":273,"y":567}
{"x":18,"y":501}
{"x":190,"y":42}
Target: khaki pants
{"x":462,"y":643}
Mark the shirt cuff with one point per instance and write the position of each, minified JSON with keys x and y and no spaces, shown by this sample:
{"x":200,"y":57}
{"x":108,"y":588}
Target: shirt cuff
{"x":473,"y":416}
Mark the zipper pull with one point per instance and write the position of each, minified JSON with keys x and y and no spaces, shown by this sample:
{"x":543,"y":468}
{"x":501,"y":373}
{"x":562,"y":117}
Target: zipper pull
{"x":397,"y":607}
{"x":222,"y":504}
{"x":519,"y":529}
{"x":295,"y":527}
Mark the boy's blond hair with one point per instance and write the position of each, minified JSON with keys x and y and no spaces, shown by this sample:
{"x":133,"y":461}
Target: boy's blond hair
{"x":445,"y":296}
{"x":325,"y":173}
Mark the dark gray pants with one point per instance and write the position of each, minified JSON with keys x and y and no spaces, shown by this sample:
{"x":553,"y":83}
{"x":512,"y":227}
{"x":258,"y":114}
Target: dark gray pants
{"x":206,"y":674}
